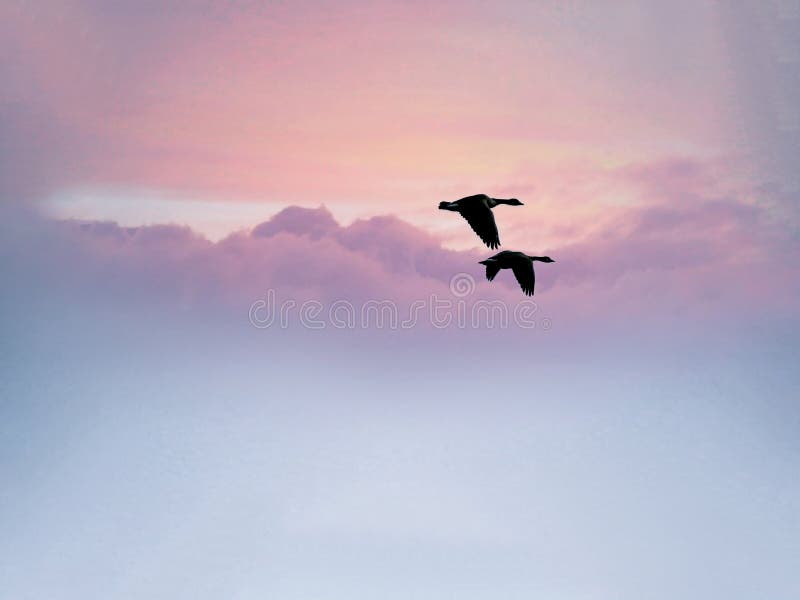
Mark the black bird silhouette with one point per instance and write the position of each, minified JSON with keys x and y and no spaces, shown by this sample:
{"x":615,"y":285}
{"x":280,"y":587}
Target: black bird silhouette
{"x":520,"y":263}
{"x":477,"y":210}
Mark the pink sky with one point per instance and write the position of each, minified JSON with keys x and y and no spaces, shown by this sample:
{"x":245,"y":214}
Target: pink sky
{"x":628,"y":130}
{"x":165,"y":164}
{"x":389,"y":107}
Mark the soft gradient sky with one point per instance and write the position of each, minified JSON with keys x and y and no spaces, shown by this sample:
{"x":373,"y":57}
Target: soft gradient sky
{"x":163,"y":165}
{"x":121,"y":110}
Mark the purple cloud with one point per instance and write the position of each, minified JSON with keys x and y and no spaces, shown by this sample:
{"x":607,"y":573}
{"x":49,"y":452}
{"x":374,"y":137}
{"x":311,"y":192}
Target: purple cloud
{"x":704,"y":255}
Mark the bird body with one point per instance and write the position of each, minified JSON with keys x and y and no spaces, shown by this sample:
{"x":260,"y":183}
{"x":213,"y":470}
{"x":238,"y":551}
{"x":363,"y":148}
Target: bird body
{"x":477,"y":210}
{"x":520,"y":263}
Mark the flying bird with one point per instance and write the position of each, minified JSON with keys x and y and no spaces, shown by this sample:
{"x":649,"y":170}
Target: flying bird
{"x":520,"y":263}
{"x":477,"y":210}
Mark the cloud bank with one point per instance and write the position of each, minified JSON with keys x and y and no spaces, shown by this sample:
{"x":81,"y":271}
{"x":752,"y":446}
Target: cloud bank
{"x":693,"y":258}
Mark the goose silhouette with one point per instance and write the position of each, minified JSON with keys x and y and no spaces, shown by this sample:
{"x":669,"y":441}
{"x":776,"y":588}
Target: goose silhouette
{"x":477,"y":210}
{"x":520,"y":263}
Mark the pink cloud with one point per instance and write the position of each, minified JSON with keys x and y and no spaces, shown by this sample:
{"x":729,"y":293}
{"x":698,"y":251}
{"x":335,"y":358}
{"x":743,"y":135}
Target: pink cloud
{"x":378,"y":105}
{"x":707,"y":259}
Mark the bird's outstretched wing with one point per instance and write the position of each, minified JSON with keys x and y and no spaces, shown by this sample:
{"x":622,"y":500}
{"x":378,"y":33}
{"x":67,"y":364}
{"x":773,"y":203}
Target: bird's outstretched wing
{"x":481,"y":219}
{"x":472,"y":199}
{"x":492,"y":269}
{"x":523,"y":271}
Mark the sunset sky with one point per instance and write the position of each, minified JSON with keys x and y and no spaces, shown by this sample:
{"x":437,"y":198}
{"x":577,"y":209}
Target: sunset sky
{"x":165,"y":165}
